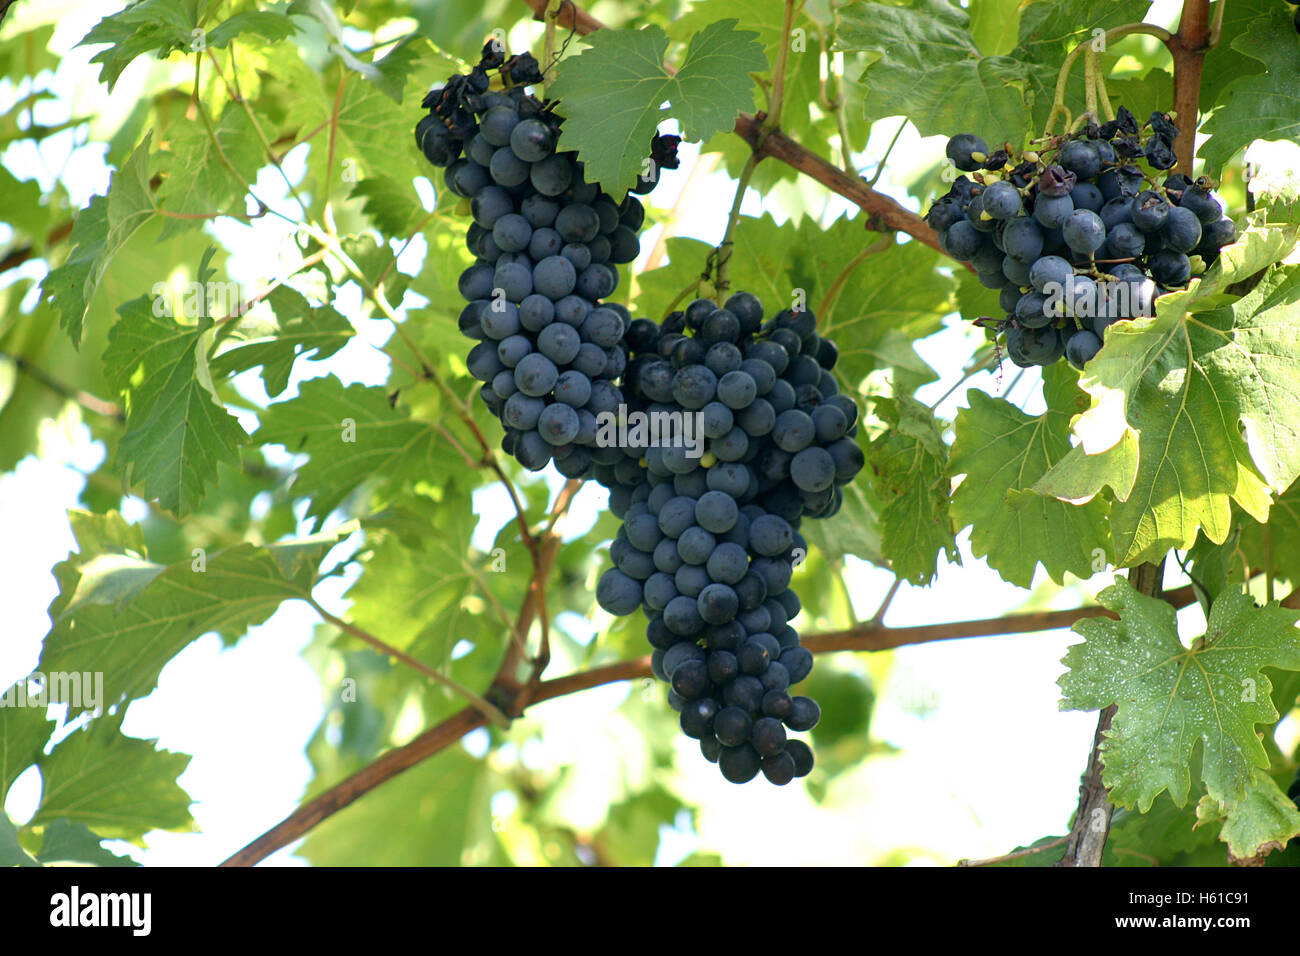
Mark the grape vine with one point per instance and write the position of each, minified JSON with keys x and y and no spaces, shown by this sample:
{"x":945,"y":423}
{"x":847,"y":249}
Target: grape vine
{"x":772,"y":397}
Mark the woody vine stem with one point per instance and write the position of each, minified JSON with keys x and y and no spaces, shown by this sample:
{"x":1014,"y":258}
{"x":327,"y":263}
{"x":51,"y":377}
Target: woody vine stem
{"x":1087,"y":838}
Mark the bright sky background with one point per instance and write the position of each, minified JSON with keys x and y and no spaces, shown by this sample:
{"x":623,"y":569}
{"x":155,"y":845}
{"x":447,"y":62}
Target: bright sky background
{"x":991,"y":764}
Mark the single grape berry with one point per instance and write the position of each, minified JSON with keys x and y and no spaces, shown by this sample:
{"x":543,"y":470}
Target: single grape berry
{"x":967,"y":152}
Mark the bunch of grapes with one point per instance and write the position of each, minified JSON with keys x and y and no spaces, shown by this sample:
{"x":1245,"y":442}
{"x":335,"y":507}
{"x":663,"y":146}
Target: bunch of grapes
{"x":547,"y":244}
{"x":710,"y":536}
{"x":710,"y":541}
{"x":1077,"y":236}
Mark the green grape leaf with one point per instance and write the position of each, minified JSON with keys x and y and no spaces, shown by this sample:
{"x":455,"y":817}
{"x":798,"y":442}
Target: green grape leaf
{"x":389,"y":73}
{"x":884,"y":302}
{"x":352,"y":434}
{"x":1165,"y":829}
{"x":1265,"y":819}
{"x":267,"y":24}
{"x":848,"y":701}
{"x":1002,"y":452}
{"x":23,"y":208}
{"x":26,"y":52}
{"x":1171,"y":697}
{"x":631,"y":831}
{"x":1077,"y":476}
{"x":24,"y":731}
{"x":908,"y":461}
{"x":923,"y":52}
{"x":374,"y":259}
{"x":129,"y":640}
{"x":446,"y":260}
{"x":406,"y":591}
{"x":11,"y":851}
{"x":301,"y":330}
{"x":802,"y":116}
{"x":613,"y":94}
{"x":177,"y":431}
{"x":69,"y":842}
{"x":374,"y":135}
{"x":322,"y":12}
{"x":1275,"y":545}
{"x":1210,"y":386}
{"x":121,"y":787}
{"x":112,"y":578}
{"x":656,"y":288}
{"x":150,"y":26}
{"x":393,"y":208}
{"x":994,"y":25}
{"x":881,"y":303}
{"x":1263,"y":105}
{"x":130,"y":197}
{"x":100,"y":230}
{"x":205,"y":179}
{"x":36,"y":336}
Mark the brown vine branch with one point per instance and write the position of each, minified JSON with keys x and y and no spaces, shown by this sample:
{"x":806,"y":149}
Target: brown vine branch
{"x":363,"y":781}
{"x":878,"y":618}
{"x":542,"y":658}
{"x":865,"y":637}
{"x":571,"y":16}
{"x":1188,"y":47}
{"x":1014,"y":855}
{"x":883,"y":213}
{"x":449,"y":731}
{"x":507,"y":688}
